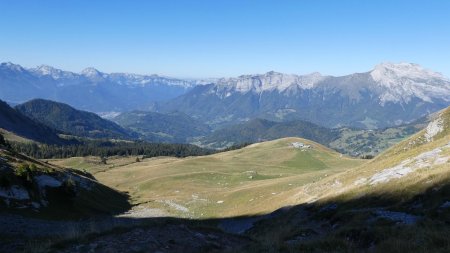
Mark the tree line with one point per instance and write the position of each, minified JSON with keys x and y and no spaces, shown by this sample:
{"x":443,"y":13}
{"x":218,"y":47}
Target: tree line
{"x":108,"y":148}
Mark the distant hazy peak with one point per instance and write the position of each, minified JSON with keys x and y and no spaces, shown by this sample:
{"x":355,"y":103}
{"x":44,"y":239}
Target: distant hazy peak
{"x":90,"y":71}
{"x":46,"y":68}
{"x":11,"y":66}
{"x":390,"y":72}
{"x":269,"y":81}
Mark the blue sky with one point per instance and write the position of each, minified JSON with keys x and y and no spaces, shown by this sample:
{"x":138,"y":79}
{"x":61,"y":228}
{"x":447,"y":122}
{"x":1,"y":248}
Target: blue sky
{"x":225,"y":38}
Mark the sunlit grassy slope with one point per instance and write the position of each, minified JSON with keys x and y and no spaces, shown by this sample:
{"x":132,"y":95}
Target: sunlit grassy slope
{"x":424,"y":156}
{"x":256,"y":179}
{"x":269,"y":175}
{"x":397,"y":202}
{"x":11,"y":137}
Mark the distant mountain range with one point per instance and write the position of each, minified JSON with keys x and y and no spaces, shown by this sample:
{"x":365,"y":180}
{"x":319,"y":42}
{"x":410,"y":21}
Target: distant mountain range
{"x":89,"y":90}
{"x":389,"y":95}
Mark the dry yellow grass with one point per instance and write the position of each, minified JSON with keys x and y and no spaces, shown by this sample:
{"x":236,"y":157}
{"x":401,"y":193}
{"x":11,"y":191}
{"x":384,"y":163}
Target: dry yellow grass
{"x":262,"y":177}
{"x":12,"y":137}
{"x":351,"y":182}
{"x":257,"y":179}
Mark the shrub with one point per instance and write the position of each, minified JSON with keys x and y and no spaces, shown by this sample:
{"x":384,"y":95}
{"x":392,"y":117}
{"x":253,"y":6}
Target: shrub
{"x":4,"y":143}
{"x":26,"y":171}
{"x":22,"y":170}
{"x":69,"y":187}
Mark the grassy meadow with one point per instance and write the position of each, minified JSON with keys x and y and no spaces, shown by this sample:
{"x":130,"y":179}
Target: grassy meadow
{"x":257,"y":179}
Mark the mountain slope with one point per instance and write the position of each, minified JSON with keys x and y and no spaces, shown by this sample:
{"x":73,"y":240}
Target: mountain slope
{"x":423,"y":156}
{"x":157,"y":127}
{"x":67,"y":119}
{"x":258,"y":130}
{"x":398,"y":202}
{"x":31,"y":187}
{"x":351,"y":141}
{"x":390,"y":94}
{"x":14,"y":121}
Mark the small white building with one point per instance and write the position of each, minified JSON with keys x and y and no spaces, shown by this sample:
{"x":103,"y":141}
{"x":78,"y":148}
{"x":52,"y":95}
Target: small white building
{"x":300,"y":145}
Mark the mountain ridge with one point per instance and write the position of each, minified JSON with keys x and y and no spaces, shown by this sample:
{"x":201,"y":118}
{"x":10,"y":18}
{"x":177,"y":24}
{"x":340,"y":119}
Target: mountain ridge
{"x":93,"y":91}
{"x":14,"y":121}
{"x":388,"y":95}
{"x":356,"y":100}
{"x":67,"y":119}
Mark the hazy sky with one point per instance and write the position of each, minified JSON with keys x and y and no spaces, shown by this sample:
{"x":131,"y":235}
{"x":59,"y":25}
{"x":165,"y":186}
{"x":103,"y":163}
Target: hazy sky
{"x":225,"y":38}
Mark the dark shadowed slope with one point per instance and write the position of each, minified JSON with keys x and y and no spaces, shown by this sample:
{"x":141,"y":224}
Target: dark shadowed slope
{"x":13,"y":121}
{"x":258,"y":130}
{"x":34,"y":188}
{"x":70,"y":120}
{"x":351,"y":141}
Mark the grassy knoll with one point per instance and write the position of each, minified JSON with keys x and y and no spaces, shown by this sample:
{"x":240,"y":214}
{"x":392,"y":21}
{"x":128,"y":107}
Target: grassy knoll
{"x":259,"y":178}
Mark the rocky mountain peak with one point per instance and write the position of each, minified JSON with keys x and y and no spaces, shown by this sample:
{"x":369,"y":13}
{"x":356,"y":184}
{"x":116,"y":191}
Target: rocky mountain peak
{"x":400,"y":82}
{"x":91,"y":72}
{"x":391,"y":72}
{"x":11,"y":66}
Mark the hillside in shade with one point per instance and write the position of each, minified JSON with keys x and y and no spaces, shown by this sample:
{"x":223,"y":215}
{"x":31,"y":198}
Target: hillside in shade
{"x":21,"y":125}
{"x":72,"y":121}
